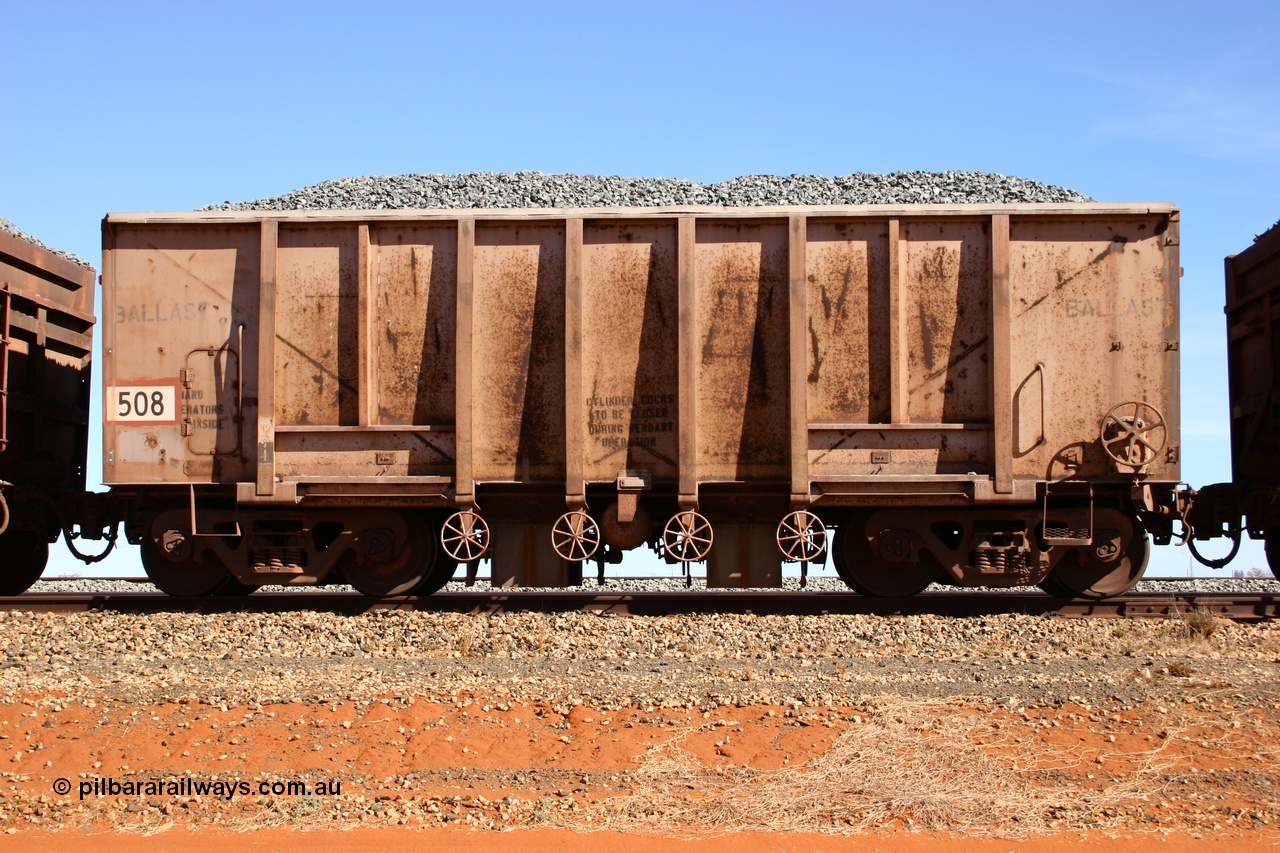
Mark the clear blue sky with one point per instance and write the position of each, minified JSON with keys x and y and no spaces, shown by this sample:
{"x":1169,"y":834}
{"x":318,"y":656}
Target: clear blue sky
{"x":166,"y":106}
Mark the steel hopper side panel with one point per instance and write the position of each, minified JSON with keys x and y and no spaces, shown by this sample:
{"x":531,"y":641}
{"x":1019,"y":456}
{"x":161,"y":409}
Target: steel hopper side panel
{"x":848,"y":279}
{"x":181,"y":298}
{"x":743,"y":377}
{"x":948,"y":321}
{"x":630,"y":383}
{"x":415,"y":323}
{"x":1089,"y":304}
{"x":519,"y":334}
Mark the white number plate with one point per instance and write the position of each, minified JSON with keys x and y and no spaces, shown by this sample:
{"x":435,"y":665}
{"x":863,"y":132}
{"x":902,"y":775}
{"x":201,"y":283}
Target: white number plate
{"x":142,"y":403}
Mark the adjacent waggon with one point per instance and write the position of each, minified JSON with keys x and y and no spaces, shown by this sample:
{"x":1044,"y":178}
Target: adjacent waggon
{"x":1251,"y":501}
{"x":46,"y":343}
{"x":985,"y":395}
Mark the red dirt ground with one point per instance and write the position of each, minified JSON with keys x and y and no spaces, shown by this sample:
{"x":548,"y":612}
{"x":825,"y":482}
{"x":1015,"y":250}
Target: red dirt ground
{"x":471,"y":760}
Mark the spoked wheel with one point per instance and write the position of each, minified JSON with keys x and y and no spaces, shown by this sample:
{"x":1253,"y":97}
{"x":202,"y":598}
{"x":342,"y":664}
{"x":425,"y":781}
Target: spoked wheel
{"x":688,"y":536}
{"x":1133,"y":434}
{"x":23,"y":555}
{"x":802,"y":537}
{"x":866,"y":572}
{"x":168,"y":559}
{"x":393,"y":562}
{"x":1273,"y":551}
{"x":1109,"y":567}
{"x":575,"y":536}
{"x":465,"y":536}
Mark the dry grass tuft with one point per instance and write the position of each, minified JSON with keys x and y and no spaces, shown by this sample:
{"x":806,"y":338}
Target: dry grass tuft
{"x":1200,"y":624}
{"x":913,"y":766}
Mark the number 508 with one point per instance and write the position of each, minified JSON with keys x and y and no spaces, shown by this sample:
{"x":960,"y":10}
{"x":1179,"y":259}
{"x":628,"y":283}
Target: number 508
{"x":142,"y":403}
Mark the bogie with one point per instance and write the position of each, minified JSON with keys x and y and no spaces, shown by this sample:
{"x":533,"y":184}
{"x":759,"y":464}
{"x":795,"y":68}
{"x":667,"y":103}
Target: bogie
{"x":897,"y":552}
{"x":379,"y":552}
{"x":900,"y":551}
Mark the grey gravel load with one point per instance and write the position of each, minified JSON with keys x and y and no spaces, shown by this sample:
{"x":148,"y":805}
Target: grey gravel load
{"x":490,"y":190}
{"x":9,"y":228}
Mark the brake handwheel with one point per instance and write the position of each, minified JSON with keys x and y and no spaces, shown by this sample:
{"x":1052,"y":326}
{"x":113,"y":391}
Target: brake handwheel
{"x":802,"y":537}
{"x":465,"y":536}
{"x":1133,"y":434}
{"x":575,"y":536}
{"x":688,"y":536}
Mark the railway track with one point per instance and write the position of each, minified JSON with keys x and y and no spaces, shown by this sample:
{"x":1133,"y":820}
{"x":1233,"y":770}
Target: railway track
{"x":1239,"y":606}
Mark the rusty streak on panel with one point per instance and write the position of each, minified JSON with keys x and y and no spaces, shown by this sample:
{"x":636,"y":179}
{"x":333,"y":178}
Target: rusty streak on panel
{"x":899,"y":392}
{"x":798,"y":310}
{"x":574,"y":407}
{"x":688,"y":359}
{"x":265,"y":484}
{"x":464,"y":485}
{"x":367,"y":388}
{"x":1001,"y":385}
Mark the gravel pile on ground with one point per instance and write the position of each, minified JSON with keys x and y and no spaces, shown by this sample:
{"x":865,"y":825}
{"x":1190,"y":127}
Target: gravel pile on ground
{"x":610,"y":661}
{"x":9,"y":228}
{"x":489,"y":190}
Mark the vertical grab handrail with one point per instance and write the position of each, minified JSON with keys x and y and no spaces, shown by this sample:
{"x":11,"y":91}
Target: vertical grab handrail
{"x":240,"y":381}
{"x":1039,"y":368}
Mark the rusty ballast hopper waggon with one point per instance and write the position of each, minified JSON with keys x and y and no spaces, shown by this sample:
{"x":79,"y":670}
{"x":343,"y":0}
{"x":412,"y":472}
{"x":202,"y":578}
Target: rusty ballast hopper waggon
{"x":46,"y":328}
{"x":981,"y":394}
{"x":1251,"y":501}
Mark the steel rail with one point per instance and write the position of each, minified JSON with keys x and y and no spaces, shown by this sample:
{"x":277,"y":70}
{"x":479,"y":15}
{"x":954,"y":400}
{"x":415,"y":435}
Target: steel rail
{"x":1134,"y":605}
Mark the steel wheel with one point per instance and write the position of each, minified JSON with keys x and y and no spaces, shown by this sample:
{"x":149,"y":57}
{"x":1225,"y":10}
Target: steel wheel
{"x":1273,"y":551}
{"x":802,"y":537}
{"x":575,"y":536}
{"x":1054,"y":588}
{"x":688,"y":536}
{"x":1133,"y":438}
{"x":232,"y":587}
{"x":168,"y":558}
{"x":866,"y":573}
{"x":465,"y":536}
{"x":398,"y":569}
{"x":440,"y":573}
{"x":1083,"y":573}
{"x":23,"y":555}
